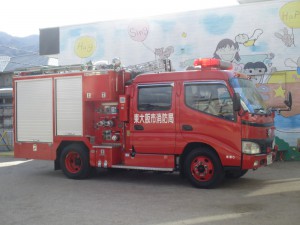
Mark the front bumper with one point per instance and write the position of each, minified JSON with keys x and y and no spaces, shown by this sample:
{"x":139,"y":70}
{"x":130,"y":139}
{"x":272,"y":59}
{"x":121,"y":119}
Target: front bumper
{"x":256,"y":161}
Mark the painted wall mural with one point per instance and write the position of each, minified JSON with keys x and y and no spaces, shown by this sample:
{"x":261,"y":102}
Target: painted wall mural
{"x":261,"y":40}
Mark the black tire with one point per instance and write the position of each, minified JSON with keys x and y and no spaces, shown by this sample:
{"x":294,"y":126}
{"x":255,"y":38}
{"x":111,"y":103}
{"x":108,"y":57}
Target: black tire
{"x":74,"y":161}
{"x":203,"y":168}
{"x":235,"y":174}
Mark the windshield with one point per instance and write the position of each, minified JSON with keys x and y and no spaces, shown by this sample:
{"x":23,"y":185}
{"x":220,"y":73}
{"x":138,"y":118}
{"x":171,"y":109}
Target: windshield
{"x":251,"y":100}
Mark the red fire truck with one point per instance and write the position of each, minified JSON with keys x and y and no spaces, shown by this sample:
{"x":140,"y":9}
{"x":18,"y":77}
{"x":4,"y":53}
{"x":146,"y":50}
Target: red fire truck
{"x":208,"y":122}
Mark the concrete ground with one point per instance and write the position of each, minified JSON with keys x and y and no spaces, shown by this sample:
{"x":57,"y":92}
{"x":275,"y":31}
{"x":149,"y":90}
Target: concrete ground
{"x":31,"y":192}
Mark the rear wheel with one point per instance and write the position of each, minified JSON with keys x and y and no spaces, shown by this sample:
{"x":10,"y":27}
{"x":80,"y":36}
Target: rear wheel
{"x":203,"y":168}
{"x":74,"y":161}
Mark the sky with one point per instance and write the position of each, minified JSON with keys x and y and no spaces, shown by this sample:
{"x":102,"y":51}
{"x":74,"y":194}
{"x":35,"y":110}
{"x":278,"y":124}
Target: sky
{"x":22,"y":18}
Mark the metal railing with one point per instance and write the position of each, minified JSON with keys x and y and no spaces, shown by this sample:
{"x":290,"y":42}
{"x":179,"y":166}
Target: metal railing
{"x":6,"y":140}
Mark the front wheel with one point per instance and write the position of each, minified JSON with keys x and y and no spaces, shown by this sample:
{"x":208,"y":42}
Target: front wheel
{"x":74,"y":161}
{"x":203,"y":168}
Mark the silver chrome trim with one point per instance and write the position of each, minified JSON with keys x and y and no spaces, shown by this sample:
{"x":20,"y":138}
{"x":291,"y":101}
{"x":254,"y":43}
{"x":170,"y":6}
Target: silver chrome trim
{"x":142,"y":168}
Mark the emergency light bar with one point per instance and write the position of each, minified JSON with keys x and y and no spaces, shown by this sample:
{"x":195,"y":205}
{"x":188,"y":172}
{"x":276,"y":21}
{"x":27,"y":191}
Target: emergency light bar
{"x":213,"y":63}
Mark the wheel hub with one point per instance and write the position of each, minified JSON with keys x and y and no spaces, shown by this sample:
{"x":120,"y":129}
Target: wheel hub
{"x":202,"y":168}
{"x":77,"y":162}
{"x":73,"y":162}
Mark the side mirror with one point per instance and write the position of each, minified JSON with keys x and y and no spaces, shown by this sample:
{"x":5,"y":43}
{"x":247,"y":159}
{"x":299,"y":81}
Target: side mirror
{"x":289,"y":101}
{"x":236,"y":102}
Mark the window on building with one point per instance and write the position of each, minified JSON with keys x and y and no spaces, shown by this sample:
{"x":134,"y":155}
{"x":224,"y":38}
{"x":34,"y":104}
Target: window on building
{"x":5,"y":101}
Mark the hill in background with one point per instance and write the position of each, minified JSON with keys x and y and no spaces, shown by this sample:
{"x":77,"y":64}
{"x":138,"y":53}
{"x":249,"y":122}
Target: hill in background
{"x":17,"y":46}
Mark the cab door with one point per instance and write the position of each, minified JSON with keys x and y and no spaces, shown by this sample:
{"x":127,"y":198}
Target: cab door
{"x":207,"y":116}
{"x":153,"y":127}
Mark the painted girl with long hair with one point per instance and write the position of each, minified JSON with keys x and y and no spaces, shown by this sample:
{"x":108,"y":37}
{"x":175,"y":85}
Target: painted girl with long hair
{"x":227,"y":50}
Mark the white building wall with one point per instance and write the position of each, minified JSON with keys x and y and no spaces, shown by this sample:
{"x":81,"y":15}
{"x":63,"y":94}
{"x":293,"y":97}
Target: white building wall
{"x":261,"y":39}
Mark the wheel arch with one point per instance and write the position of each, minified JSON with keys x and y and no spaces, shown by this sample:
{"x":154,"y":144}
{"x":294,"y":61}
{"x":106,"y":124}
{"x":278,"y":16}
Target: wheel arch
{"x":188,"y":148}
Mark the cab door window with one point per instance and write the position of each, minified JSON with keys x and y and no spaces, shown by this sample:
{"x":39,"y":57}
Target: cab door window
{"x":155,"y":98}
{"x":210,"y":98}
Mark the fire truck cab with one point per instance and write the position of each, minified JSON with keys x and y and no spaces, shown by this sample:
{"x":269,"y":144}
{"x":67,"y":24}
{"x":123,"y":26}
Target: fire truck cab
{"x":207,"y":123}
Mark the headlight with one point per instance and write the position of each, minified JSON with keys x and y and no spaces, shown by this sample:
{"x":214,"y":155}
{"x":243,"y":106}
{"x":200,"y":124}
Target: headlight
{"x":250,"y":148}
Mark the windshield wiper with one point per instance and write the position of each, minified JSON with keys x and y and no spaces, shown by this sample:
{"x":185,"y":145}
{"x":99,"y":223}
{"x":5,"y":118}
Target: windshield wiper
{"x":262,"y":111}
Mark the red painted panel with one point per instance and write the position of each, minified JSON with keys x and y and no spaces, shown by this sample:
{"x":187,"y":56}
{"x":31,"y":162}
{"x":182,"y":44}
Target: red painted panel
{"x":34,"y":151}
{"x":150,"y":160}
{"x":112,"y":155}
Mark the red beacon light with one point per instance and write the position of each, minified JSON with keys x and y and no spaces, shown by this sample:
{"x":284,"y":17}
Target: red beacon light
{"x":208,"y":63}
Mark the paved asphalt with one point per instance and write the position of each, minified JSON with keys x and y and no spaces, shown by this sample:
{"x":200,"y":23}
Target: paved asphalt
{"x":32,"y":193}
